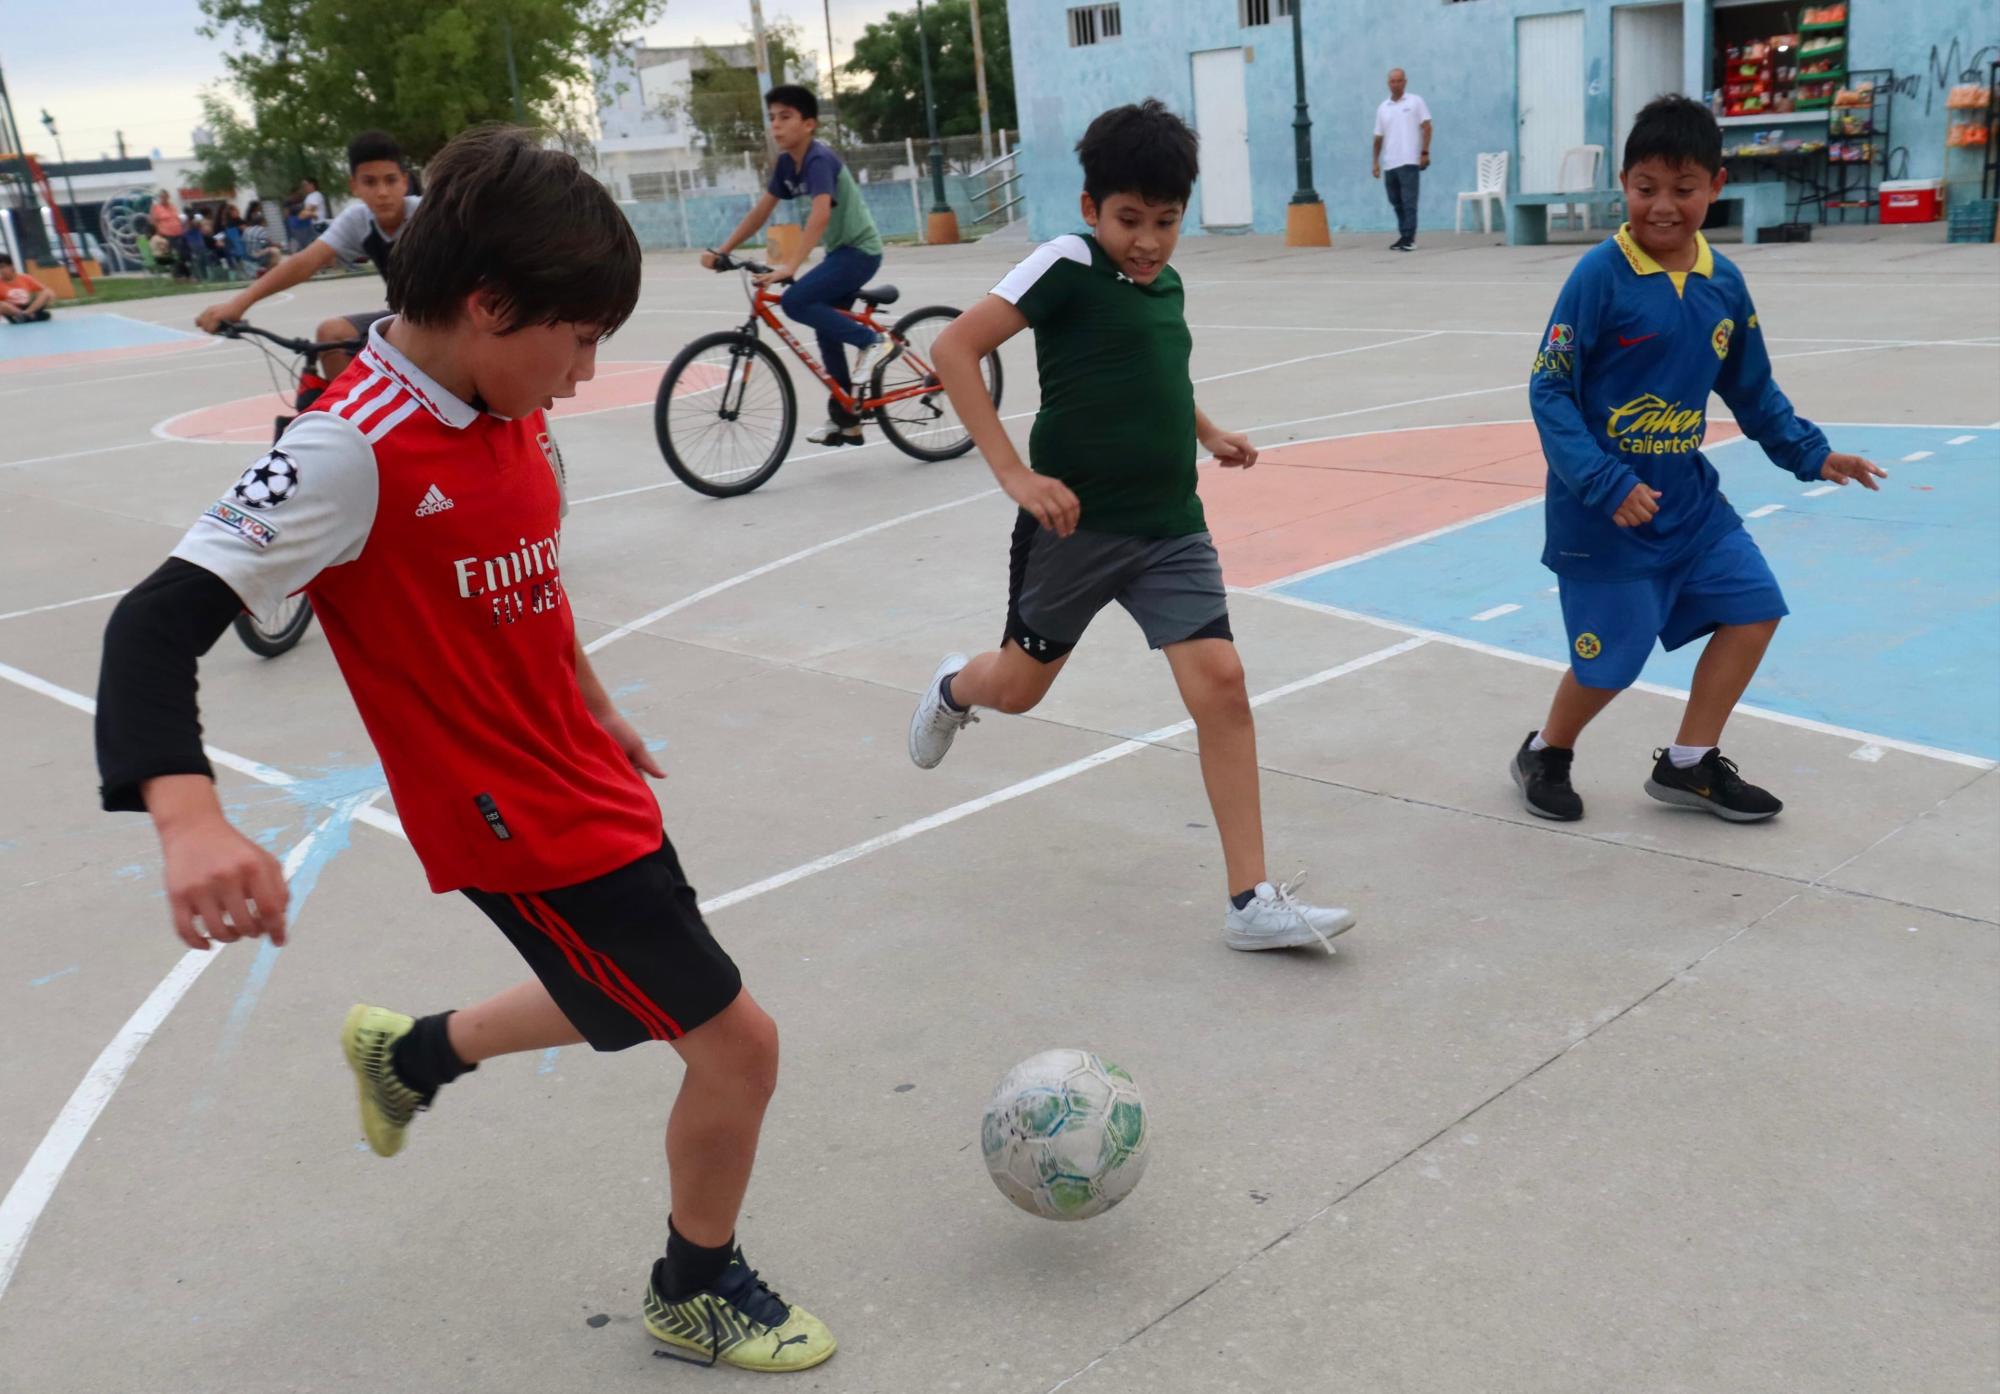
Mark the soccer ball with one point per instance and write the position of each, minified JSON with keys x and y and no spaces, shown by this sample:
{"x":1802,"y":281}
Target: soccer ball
{"x":1065,"y":1135}
{"x":269,"y":482}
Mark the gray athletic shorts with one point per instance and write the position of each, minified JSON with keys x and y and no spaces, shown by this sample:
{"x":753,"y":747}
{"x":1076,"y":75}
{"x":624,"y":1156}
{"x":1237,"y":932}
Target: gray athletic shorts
{"x":363,"y":318}
{"x":1056,"y":585}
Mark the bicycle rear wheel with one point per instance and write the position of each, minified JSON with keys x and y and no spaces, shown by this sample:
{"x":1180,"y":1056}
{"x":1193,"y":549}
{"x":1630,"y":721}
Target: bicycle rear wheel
{"x":725,"y":414}
{"x":925,"y":425}
{"x":282,"y":635}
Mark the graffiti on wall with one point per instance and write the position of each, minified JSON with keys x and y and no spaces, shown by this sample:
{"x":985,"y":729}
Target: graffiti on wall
{"x":1949,"y":66}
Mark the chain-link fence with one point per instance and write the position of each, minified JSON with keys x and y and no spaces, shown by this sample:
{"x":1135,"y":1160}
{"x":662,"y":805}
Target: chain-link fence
{"x":700,"y":201}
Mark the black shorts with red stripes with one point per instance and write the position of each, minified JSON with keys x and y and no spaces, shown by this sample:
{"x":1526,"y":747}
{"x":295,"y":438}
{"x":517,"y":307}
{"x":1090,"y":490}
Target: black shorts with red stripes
{"x":626,"y":956}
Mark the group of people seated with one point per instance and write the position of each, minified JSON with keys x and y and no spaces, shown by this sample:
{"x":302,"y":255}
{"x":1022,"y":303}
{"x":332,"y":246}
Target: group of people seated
{"x":193,"y":245}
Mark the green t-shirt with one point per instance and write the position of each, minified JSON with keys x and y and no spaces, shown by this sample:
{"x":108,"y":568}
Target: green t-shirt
{"x":850,"y":225}
{"x":1117,"y":416}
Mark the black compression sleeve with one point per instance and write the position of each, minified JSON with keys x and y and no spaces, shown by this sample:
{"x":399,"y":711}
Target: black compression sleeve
{"x":147,"y":723}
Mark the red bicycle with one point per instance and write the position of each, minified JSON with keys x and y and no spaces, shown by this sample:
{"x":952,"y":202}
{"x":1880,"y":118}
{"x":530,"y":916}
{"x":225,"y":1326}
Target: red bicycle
{"x":727,"y":410}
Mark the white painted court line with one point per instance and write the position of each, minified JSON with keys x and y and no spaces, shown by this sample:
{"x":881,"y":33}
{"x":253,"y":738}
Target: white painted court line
{"x":1961,"y":440}
{"x":1359,"y":557}
{"x":73,"y":455}
{"x":1521,"y":386}
{"x":1315,"y":357}
{"x":1495,"y":613}
{"x":1867,"y":753}
{"x":1822,"y":489}
{"x":1030,"y":785}
{"x":1824,"y":728}
{"x":1766,"y":511}
{"x":61,"y":605}
{"x":30,"y":1193}
{"x":768,"y":567}
{"x":1916,"y":455}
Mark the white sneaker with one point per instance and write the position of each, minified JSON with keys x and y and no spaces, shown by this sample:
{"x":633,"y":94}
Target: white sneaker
{"x":934,"y":724}
{"x":867,"y":360}
{"x":1274,"y":920}
{"x":833,"y":433}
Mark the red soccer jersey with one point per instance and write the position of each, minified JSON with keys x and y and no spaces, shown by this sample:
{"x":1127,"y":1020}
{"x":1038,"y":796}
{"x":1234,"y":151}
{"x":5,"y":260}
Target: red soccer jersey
{"x":427,"y":535}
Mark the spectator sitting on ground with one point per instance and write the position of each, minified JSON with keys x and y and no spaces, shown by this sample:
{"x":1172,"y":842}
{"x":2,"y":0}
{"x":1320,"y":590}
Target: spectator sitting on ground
{"x":23,"y":299}
{"x":257,"y":239}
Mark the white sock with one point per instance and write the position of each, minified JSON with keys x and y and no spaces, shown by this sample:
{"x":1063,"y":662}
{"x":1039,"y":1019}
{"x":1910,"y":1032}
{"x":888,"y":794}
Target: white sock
{"x":1686,"y":757}
{"x":1538,"y":743}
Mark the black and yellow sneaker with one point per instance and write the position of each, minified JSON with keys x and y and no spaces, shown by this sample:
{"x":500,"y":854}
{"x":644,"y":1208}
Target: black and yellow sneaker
{"x":369,"y":1038}
{"x":1543,"y":776}
{"x":1712,"y":784}
{"x":739,"y":1322}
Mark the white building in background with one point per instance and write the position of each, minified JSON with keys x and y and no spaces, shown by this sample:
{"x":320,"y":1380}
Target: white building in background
{"x":646,"y":138}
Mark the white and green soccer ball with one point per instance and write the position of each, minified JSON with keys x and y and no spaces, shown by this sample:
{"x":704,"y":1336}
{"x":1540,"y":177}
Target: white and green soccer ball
{"x":1065,"y":1135}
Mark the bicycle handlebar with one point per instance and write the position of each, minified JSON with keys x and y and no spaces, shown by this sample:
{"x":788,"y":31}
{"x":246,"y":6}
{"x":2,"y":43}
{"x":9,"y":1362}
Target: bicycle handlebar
{"x":238,"y":329}
{"x":725,"y":262}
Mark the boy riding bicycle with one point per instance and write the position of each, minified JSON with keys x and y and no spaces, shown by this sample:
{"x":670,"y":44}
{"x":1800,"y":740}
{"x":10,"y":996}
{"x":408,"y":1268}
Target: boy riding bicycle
{"x":839,"y":220}
{"x":367,"y":227}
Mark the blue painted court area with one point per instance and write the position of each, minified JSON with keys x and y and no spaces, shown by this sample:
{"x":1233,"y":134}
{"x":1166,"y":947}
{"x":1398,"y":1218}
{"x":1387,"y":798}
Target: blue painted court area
{"x":1895,"y":596}
{"x":70,"y":332}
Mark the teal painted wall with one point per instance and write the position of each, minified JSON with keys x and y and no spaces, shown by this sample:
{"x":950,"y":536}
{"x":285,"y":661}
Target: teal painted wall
{"x":1459,"y":58}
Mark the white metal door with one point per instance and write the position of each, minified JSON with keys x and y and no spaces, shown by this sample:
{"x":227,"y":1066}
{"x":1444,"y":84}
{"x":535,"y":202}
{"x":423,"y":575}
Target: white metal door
{"x":1222,"y":116}
{"x":1645,"y":62}
{"x":1548,"y":94}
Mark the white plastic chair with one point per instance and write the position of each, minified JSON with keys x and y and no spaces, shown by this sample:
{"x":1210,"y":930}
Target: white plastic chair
{"x":1579,"y":172}
{"x":1492,"y":189}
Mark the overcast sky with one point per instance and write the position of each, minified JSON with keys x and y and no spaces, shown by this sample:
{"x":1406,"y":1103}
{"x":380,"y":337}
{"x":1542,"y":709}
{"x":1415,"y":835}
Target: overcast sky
{"x":139,"y":66}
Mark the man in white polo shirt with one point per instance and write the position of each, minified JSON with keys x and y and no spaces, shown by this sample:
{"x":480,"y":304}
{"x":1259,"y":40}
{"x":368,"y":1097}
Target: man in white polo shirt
{"x":1402,"y":150}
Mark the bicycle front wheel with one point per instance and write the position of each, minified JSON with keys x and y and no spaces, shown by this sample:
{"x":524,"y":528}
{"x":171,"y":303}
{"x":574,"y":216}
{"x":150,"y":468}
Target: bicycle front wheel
{"x":921,"y":421}
{"x":725,"y":414}
{"x":282,"y":635}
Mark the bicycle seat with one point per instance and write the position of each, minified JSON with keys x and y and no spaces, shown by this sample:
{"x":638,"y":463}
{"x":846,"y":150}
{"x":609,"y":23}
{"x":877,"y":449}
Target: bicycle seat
{"x":880,"y":295}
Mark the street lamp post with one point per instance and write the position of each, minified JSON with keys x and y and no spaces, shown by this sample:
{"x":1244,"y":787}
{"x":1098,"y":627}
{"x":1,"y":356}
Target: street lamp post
{"x":49,"y":123}
{"x":1305,"y":218}
{"x":943,"y":223}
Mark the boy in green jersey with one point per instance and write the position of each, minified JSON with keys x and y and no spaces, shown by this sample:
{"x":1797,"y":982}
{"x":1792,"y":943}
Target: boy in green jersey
{"x":1109,"y":510}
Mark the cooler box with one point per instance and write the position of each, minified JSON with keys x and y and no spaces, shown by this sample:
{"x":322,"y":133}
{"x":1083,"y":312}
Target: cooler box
{"x":1912,"y":200}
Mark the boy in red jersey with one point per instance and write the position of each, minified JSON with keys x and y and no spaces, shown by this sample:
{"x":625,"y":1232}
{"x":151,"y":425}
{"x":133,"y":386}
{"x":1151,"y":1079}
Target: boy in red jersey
{"x":419,"y":504}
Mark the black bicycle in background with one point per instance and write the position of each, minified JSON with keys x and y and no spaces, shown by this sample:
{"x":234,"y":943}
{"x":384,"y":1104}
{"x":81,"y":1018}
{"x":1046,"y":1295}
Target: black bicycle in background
{"x":294,"y":617}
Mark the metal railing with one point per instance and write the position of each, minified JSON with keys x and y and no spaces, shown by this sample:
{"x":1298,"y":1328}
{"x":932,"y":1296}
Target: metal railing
{"x":1000,"y":196}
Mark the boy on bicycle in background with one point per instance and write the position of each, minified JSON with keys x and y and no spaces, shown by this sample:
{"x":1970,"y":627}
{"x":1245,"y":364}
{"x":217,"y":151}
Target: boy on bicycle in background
{"x":367,"y":227}
{"x":838,"y":220}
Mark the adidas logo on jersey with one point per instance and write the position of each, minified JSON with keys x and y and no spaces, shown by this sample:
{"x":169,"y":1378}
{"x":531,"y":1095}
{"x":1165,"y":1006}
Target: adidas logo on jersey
{"x":434,"y":501}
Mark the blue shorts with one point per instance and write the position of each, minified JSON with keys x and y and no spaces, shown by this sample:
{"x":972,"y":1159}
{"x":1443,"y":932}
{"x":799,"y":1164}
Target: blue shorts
{"x":1612,"y":624}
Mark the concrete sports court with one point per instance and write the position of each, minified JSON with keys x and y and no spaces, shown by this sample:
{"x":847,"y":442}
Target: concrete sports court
{"x":1649,"y":1102}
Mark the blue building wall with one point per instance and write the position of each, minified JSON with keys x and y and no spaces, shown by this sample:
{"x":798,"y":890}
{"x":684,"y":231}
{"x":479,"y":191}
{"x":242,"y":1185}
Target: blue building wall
{"x":1459,"y":57}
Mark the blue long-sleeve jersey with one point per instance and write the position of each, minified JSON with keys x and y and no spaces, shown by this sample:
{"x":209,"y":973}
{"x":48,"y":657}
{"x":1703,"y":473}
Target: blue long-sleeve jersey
{"x":1620,"y":396}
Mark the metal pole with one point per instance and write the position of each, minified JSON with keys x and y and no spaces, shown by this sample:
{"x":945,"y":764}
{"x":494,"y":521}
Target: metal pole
{"x":832,"y":69}
{"x":930,"y":116}
{"x":1302,"y":152}
{"x":69,"y":180}
{"x":764,"y":84}
{"x":979,"y":80}
{"x":513,"y":78}
{"x":916,"y":182}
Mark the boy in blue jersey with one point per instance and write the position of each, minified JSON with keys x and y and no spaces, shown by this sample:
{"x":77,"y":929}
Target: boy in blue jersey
{"x":1639,"y":535}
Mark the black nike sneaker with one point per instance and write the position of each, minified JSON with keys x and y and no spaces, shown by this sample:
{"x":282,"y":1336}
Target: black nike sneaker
{"x":1544,"y":779}
{"x":1712,"y":785}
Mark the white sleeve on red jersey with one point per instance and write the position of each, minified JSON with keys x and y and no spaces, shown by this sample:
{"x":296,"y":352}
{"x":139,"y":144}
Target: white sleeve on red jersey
{"x":554,"y":452}
{"x":307,"y":504}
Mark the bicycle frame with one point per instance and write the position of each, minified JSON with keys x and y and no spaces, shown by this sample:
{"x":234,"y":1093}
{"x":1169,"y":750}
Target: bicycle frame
{"x":763,"y":310}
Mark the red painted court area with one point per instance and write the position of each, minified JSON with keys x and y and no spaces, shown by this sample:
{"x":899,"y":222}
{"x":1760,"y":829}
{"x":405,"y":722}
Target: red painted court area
{"x":1313,"y":502}
{"x":247,"y":420}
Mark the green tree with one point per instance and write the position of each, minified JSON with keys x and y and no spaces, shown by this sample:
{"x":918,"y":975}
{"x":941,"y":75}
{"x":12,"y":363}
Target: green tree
{"x":313,"y":72}
{"x":891,"y":106}
{"x":723,"y":102}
